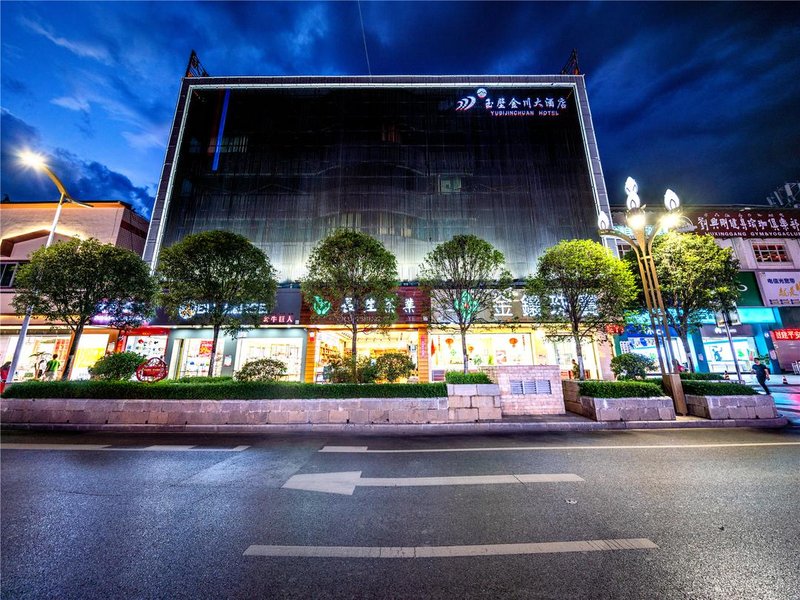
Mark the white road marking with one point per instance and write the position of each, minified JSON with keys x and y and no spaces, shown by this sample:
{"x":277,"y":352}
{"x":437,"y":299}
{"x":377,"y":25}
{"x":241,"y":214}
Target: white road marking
{"x":366,"y":450}
{"x":53,"y":447}
{"x":346,"y":482}
{"x":450,"y":551}
{"x":107,"y":448}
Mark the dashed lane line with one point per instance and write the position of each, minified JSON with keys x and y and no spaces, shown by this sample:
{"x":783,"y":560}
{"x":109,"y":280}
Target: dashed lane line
{"x":108,"y":448}
{"x":449,"y":551}
{"x":366,"y":450}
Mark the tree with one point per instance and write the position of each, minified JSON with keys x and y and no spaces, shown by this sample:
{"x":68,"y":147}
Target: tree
{"x":463,"y":277}
{"x":76,"y":280}
{"x":351,"y":279}
{"x":695,"y":276}
{"x":580,"y":284}
{"x":217,"y":278}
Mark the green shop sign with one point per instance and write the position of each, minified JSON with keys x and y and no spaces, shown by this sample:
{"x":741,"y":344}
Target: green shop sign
{"x":748,"y":288}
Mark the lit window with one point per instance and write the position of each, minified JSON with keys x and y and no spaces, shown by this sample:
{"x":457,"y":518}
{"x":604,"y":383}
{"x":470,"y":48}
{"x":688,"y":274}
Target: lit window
{"x":770,"y":253}
{"x":449,"y":184}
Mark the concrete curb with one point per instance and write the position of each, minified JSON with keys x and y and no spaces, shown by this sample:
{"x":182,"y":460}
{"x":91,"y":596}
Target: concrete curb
{"x":420,"y":429}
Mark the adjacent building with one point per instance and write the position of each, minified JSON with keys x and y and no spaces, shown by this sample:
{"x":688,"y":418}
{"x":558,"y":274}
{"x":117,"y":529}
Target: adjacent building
{"x":25,"y":228}
{"x":766,"y":242}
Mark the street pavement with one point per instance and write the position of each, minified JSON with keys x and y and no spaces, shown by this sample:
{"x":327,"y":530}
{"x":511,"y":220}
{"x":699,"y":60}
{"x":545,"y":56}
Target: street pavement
{"x":629,"y":514}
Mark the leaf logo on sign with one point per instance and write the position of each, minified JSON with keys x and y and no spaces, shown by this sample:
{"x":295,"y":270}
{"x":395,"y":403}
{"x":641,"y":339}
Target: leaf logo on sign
{"x":321,"y":306}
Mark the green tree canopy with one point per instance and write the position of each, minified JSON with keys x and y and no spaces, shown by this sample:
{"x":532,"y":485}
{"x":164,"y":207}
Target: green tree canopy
{"x":76,"y":280}
{"x":464,"y":277}
{"x":581,"y":287}
{"x":351,"y":279}
{"x":217,"y":278}
{"x":695,"y":276}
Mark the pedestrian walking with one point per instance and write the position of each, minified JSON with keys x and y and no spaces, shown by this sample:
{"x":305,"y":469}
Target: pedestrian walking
{"x":762,"y":374}
{"x":51,"y":370}
{"x":4,"y":370}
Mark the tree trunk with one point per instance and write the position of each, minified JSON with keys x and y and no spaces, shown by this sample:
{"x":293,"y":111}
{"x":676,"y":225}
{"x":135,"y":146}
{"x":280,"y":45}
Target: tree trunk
{"x":353,"y":349}
{"x":579,"y":354}
{"x":73,"y":349}
{"x":213,"y":351}
{"x":685,"y":339}
{"x":464,"y":349}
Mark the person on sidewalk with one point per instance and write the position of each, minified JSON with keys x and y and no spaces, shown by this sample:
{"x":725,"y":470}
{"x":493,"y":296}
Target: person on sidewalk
{"x":762,"y":374}
{"x":51,"y":370}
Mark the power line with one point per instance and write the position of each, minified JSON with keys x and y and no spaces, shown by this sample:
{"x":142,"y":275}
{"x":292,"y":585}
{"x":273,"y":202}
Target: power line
{"x":364,"y":37}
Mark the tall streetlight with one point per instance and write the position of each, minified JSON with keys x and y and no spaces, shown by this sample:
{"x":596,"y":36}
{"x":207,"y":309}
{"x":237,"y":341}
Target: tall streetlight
{"x":36,"y":161}
{"x":640,"y":236}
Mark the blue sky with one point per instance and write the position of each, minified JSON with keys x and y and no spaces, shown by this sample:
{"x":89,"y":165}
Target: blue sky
{"x":703,"y":98}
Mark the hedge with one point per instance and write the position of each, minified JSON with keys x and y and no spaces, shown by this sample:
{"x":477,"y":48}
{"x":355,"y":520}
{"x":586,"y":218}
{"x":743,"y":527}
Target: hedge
{"x":713,"y":388}
{"x":619,"y":389}
{"x":701,"y":376}
{"x":230,"y":390}
{"x":461,"y":377}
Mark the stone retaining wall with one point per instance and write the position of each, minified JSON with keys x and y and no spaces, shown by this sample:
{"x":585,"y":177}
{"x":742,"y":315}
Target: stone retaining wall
{"x":658,"y":408}
{"x":229,"y":412}
{"x":732,"y":407}
{"x":515,"y":403}
{"x":474,"y":401}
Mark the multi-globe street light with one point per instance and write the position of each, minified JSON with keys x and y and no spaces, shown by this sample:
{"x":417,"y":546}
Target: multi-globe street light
{"x":36,"y":161}
{"x":640,"y":237}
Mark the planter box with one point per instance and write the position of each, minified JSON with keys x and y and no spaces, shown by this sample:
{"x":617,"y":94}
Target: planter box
{"x":732,"y":407}
{"x":227,"y":412}
{"x":657,"y":408}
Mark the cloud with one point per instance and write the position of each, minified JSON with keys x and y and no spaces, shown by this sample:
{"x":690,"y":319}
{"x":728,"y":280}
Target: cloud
{"x":76,"y":104}
{"x":84,"y":179}
{"x":81,"y":49}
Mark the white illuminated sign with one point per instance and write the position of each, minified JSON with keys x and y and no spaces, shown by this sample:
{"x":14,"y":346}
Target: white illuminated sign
{"x":505,"y":105}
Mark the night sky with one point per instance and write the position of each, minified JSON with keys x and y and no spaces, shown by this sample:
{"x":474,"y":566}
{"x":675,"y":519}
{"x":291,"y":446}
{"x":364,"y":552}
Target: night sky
{"x":703,"y":98}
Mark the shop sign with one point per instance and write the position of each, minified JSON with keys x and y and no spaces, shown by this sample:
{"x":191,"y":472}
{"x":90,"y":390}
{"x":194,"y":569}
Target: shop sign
{"x":782,"y":335}
{"x":748,"y":289}
{"x":780,"y":288}
{"x":409,"y":304}
{"x":714,"y":331}
{"x":152,"y":370}
{"x":279,"y":319}
{"x":746,"y":223}
{"x":512,"y":104}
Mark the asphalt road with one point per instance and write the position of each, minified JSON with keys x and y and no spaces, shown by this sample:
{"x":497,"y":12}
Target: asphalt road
{"x":704,"y":514}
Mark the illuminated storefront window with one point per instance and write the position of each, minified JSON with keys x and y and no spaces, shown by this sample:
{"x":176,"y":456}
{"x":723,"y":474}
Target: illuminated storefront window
{"x":287,"y":350}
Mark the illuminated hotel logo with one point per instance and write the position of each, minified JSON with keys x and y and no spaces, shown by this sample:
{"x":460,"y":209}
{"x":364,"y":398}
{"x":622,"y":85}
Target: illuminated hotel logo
{"x":511,"y":106}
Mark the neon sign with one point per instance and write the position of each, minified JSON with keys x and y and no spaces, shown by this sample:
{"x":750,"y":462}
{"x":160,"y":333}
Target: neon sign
{"x":506,"y":105}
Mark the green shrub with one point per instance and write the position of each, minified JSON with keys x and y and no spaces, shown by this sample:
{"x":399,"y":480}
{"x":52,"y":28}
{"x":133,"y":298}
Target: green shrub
{"x":261,"y":369}
{"x":461,"y":377}
{"x":702,"y":376}
{"x":203,"y":379}
{"x":713,"y":388}
{"x":619,"y":389}
{"x":631,"y":366}
{"x":225,"y":390}
{"x":120,"y":366}
{"x":340,"y":369}
{"x":394,"y":365}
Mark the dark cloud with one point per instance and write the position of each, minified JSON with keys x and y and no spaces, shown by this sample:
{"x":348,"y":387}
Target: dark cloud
{"x":85,"y":180}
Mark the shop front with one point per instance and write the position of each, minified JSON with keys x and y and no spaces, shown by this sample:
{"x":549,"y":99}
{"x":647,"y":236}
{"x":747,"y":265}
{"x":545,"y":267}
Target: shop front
{"x":722,"y":355}
{"x":41,"y":344}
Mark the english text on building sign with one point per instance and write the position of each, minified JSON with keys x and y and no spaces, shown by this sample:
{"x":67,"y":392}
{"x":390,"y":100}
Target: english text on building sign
{"x":504,"y":104}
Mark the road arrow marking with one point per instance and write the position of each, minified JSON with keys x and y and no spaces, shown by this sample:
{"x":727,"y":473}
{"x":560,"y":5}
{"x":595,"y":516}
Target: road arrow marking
{"x":346,"y":482}
{"x":366,"y":450}
{"x":449,"y":551}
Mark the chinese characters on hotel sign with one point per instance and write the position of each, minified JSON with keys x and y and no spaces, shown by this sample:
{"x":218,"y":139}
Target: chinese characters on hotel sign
{"x":520,"y":103}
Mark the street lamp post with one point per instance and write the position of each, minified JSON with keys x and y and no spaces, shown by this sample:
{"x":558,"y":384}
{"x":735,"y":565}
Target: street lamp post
{"x":640,"y":236}
{"x":37,"y":162}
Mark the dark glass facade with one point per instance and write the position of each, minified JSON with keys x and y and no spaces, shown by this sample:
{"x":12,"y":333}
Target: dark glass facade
{"x":410,"y":164}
